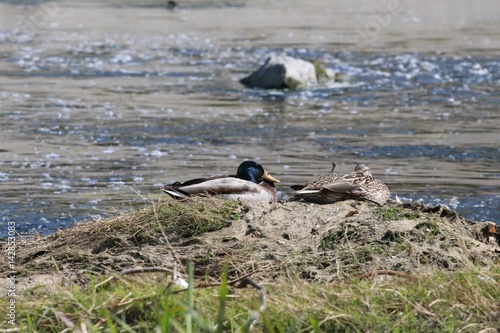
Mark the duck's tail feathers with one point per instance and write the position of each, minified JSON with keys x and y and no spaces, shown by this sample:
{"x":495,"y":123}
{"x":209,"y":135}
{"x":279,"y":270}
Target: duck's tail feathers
{"x":176,"y":194}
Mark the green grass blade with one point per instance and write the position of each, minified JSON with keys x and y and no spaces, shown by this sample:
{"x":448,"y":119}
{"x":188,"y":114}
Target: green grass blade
{"x":190,"y":306}
{"x":222,"y":301}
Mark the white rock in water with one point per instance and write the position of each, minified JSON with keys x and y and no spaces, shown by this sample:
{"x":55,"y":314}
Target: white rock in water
{"x":281,"y":72}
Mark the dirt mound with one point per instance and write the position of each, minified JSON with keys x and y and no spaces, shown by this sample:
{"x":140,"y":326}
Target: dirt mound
{"x":318,"y":242}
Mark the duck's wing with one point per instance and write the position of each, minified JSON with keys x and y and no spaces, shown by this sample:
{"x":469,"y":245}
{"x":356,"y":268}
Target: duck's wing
{"x":341,"y":186}
{"x":349,"y":183}
{"x":317,"y":182}
{"x":201,"y":180}
{"x":225,"y":185}
{"x":333,"y":182}
{"x":320,"y":182}
{"x":175,"y":190}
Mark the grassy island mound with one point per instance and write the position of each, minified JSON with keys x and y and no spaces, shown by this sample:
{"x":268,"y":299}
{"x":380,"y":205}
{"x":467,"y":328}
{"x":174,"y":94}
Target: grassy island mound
{"x":181,"y":266}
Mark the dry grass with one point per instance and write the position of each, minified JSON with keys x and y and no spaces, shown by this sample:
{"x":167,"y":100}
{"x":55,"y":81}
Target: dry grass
{"x":115,"y":243}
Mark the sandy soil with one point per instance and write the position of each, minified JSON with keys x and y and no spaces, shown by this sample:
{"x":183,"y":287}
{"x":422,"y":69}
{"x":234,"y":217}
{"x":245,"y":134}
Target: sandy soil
{"x":319,"y":243}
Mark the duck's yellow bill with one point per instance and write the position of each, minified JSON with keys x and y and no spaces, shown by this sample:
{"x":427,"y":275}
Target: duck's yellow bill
{"x":270,"y":178}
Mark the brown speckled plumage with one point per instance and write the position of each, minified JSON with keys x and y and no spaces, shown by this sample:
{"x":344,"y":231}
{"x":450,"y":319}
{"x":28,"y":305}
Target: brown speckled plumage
{"x":333,"y":187}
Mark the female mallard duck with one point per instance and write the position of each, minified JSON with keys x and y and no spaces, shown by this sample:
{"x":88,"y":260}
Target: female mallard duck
{"x":333,"y":187}
{"x":251,"y":183}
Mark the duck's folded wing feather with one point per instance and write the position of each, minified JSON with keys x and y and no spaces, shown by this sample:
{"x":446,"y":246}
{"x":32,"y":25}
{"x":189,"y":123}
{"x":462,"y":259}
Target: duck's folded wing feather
{"x":201,"y":180}
{"x":228,"y":185}
{"x":174,"y":193}
{"x":341,"y":186}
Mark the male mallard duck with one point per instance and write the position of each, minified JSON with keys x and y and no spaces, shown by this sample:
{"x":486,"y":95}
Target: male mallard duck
{"x":251,"y":183}
{"x":333,"y":187}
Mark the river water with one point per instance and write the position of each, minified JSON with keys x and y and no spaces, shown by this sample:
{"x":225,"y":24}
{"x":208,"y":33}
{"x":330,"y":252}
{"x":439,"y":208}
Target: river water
{"x":102,"y":102}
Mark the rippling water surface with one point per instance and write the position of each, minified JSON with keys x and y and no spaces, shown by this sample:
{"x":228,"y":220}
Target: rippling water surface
{"x":102,"y":102}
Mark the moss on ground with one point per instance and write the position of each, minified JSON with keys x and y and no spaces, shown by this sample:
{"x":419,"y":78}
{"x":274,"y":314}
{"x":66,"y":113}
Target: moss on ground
{"x":187,"y":220}
{"x":393,"y":213}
